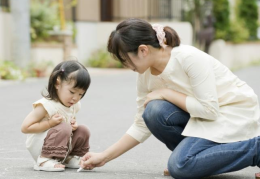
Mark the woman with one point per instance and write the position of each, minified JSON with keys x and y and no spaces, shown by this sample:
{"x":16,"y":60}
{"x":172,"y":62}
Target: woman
{"x":186,"y":99}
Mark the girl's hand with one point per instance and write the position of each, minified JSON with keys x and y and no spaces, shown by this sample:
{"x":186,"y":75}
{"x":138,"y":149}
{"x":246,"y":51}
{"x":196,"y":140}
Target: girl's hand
{"x":157,"y":94}
{"x":73,"y":124}
{"x":55,"y":120}
{"x":91,"y":160}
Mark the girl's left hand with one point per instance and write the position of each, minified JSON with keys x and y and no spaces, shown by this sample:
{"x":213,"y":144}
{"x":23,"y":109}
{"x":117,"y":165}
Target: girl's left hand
{"x":73,"y":124}
{"x":156,"y":94}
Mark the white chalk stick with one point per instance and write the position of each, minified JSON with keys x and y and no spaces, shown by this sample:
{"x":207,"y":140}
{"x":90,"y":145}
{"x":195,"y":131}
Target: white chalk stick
{"x":79,"y":169}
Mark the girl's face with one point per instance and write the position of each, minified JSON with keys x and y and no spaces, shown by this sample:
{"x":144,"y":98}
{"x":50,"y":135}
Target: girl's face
{"x":67,"y":94}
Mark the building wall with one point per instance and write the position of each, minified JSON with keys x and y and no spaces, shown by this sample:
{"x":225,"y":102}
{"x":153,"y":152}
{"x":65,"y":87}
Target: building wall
{"x":50,"y":53}
{"x":88,"y":10}
{"x":233,"y":55}
{"x":94,"y":35}
{"x":124,"y":9}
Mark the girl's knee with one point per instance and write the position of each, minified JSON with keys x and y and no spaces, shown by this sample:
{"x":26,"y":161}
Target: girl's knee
{"x":83,"y":130}
{"x":63,"y":129}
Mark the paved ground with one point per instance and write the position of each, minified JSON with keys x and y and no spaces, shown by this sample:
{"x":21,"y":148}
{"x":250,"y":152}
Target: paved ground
{"x":108,"y":109}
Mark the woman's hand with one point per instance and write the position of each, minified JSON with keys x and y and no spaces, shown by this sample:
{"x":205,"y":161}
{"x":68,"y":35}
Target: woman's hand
{"x":156,"y":94}
{"x":55,"y":120}
{"x":91,"y":160}
{"x":74,"y":124}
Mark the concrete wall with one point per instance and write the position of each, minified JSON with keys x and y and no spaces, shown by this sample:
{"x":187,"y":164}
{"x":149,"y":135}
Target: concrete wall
{"x":50,"y":52}
{"x":235,"y":55}
{"x":88,"y":10}
{"x":92,"y":36}
{"x":5,"y":36}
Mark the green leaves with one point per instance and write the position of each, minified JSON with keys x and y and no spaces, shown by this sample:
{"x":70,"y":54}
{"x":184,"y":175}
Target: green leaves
{"x":102,"y":59}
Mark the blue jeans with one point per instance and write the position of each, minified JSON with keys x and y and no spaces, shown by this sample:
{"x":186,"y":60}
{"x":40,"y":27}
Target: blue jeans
{"x":193,"y":157}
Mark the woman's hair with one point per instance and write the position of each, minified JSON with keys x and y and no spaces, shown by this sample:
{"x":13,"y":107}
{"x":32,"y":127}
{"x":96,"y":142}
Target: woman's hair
{"x":132,"y":33}
{"x":69,"y":71}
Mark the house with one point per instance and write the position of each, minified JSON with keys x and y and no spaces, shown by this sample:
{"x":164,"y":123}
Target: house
{"x":94,"y":20}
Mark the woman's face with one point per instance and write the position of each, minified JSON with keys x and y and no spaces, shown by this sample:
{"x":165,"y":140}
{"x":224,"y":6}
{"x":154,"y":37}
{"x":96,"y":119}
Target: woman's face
{"x":140,"y":61}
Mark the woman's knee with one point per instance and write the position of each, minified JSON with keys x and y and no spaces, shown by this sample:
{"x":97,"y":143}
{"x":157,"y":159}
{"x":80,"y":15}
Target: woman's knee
{"x":152,"y":111}
{"x":179,"y":171}
{"x":182,"y":164}
{"x":158,"y":112}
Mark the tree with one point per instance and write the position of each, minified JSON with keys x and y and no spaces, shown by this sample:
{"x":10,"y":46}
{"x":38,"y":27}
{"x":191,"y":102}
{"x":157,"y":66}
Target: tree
{"x":221,"y":14}
{"x":248,"y":12}
{"x":193,"y":15}
{"x":21,"y":44}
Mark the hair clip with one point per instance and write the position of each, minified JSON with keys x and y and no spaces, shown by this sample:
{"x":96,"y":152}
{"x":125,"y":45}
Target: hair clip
{"x":160,"y":34}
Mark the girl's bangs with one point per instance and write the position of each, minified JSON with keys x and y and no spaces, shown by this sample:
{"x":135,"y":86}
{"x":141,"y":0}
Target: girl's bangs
{"x":81,"y":79}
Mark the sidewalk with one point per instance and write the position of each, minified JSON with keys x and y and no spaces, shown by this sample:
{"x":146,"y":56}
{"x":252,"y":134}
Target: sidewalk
{"x":108,"y":109}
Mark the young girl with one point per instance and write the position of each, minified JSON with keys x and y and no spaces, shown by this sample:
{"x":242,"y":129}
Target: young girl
{"x":55,"y":140}
{"x":188,"y":100}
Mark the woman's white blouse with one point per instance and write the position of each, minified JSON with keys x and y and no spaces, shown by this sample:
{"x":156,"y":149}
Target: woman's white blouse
{"x":222,"y":107}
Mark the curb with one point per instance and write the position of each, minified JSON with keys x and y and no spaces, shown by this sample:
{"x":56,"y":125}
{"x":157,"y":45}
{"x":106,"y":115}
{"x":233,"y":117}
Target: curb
{"x":92,"y":72}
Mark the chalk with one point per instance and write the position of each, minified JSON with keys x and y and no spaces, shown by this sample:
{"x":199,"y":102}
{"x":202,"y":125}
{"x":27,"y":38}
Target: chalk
{"x":79,"y":169}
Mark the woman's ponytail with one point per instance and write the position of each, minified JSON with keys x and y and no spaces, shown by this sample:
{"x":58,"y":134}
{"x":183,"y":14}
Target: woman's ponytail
{"x":172,"y":38}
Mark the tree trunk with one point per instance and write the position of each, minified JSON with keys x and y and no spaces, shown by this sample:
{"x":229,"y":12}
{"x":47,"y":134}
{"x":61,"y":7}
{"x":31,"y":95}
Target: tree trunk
{"x":21,"y":43}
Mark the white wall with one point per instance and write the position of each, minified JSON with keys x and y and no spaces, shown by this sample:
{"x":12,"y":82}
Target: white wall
{"x":53,"y":53}
{"x":92,"y":36}
{"x":5,"y":36}
{"x":235,"y":55}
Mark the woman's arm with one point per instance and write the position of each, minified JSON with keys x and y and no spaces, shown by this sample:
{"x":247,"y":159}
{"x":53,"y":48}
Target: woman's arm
{"x":172,"y":96}
{"x":204,"y":102}
{"x":91,"y":160}
{"x":33,"y":124}
{"x":123,"y":145}
{"x":199,"y":68}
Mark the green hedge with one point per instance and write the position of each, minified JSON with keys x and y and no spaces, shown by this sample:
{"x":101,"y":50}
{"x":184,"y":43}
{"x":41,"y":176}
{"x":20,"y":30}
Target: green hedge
{"x":248,"y":12}
{"x":103,"y":59}
{"x":242,"y":27}
{"x":221,"y":14}
{"x":44,"y":17}
{"x":10,"y":71}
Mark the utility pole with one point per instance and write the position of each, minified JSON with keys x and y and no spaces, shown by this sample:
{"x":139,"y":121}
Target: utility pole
{"x":21,"y":43}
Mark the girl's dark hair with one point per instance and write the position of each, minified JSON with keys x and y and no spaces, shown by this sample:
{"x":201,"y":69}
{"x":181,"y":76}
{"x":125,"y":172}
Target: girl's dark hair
{"x":70,"y":71}
{"x":132,"y":33}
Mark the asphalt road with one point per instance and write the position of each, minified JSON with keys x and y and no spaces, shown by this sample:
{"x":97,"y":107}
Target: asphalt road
{"x":108,"y":109}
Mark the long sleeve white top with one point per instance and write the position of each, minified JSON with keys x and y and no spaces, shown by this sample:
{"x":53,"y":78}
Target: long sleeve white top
{"x":222,"y":107}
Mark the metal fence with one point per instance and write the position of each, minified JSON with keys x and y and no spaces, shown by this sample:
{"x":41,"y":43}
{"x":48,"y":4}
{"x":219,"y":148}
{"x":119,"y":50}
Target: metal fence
{"x":116,"y":10}
{"x":148,"y":9}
